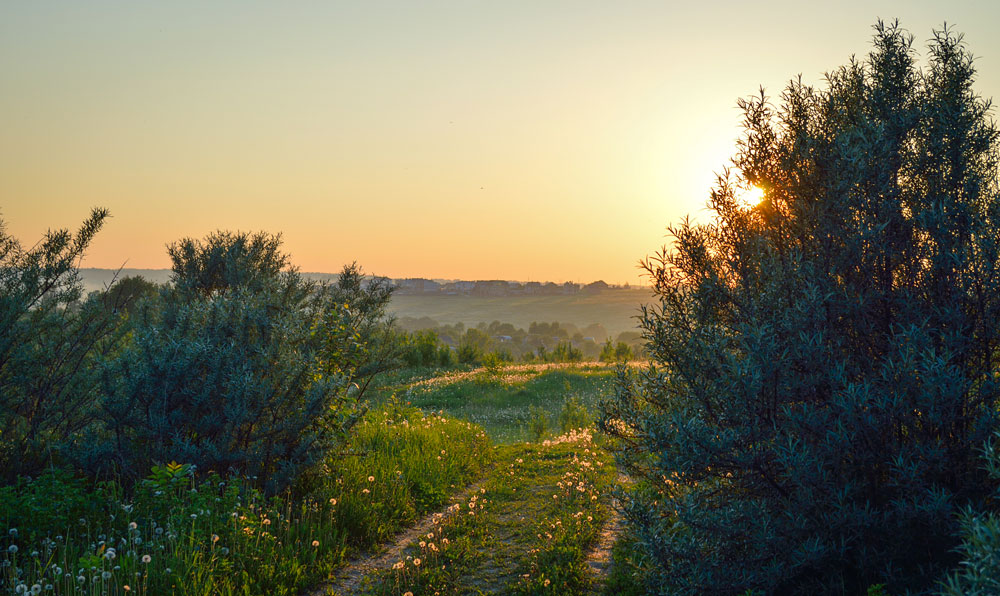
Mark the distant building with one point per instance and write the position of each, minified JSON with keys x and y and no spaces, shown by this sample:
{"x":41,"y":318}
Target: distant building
{"x":597,"y":286}
{"x":417,"y":285}
{"x":495,"y":287}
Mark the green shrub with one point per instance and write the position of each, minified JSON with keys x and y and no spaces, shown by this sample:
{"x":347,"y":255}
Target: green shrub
{"x":824,"y":361}
{"x":573,"y":415}
{"x":978,"y":572}
{"x":51,"y":344}
{"x":242,"y":366}
{"x":538,"y":422}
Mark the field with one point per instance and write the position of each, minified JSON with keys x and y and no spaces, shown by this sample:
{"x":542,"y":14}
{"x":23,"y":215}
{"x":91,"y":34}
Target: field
{"x":496,"y":513}
{"x":615,"y":309}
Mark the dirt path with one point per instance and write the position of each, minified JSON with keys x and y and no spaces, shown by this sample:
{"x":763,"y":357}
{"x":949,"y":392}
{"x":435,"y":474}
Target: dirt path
{"x":349,"y":577}
{"x":599,"y":558}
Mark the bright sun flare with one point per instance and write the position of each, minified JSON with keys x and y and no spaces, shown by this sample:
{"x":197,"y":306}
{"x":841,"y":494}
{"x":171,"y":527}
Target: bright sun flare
{"x":752,"y":196}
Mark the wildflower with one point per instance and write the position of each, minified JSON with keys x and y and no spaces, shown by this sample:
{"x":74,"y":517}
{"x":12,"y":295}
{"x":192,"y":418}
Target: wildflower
{"x":106,"y":575}
{"x":223,"y":550}
{"x":12,"y":549}
{"x":167,"y":570}
{"x":430,"y":535}
{"x":266,"y":522}
{"x":398,"y":565}
{"x":315,"y":543}
{"x":416,"y":562}
{"x":371,"y":479}
{"x":333,"y":502}
{"x":126,"y":588}
{"x":547,"y":582}
{"x":407,"y":593}
{"x":366,"y":491}
{"x":215,"y":538}
{"x":146,"y":558}
{"x":132,"y":525}
{"x":423,"y":544}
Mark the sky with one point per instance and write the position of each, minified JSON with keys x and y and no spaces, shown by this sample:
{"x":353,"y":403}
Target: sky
{"x":533,"y":141}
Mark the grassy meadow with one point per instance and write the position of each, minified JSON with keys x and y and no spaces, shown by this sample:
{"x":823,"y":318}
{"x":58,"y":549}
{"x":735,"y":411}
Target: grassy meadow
{"x":514,"y":403}
{"x":181,"y":532}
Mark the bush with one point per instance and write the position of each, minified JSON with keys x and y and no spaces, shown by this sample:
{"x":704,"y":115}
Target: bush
{"x":50,"y":344}
{"x":824,"y":361}
{"x":243,"y":365}
{"x":538,"y":422}
{"x":573,"y":415}
{"x":978,"y":572}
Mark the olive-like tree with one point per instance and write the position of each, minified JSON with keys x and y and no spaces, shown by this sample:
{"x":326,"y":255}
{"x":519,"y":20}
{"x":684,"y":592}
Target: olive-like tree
{"x":51,"y":341}
{"x":824,"y":364}
{"x":242,"y":365}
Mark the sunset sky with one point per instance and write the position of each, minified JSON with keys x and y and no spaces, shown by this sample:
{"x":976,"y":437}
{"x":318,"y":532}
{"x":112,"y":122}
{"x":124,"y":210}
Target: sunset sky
{"x":534,"y":140}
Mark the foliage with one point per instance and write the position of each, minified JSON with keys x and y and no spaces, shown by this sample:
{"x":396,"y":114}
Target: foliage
{"x":823,"y":362}
{"x":616,"y":352}
{"x":978,"y":572}
{"x":243,"y":365}
{"x":538,"y":422}
{"x":50,"y":342}
{"x":574,"y":415}
{"x":211,"y":535}
{"x":376,"y":349}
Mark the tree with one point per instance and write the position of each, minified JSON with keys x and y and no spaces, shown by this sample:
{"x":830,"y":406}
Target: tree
{"x":242,"y":365}
{"x":50,"y":342}
{"x":822,"y":371}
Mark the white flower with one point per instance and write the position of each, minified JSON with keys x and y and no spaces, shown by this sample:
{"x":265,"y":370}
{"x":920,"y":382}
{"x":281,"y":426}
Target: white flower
{"x":146,"y":558}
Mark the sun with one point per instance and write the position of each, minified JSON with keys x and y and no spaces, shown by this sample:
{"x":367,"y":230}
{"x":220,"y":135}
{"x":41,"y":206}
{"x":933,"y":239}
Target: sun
{"x":752,"y":196}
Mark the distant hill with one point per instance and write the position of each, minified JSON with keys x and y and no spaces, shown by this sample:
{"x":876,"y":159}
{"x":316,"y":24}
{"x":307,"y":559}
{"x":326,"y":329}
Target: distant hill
{"x":469,"y":302}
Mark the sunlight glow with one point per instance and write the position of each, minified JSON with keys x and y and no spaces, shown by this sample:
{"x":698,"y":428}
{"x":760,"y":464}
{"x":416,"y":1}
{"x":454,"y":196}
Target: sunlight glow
{"x":752,"y":196}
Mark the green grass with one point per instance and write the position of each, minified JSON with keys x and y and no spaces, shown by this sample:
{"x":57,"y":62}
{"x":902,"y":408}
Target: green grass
{"x":217,"y":535}
{"x":502,"y":405}
{"x":526,"y":532}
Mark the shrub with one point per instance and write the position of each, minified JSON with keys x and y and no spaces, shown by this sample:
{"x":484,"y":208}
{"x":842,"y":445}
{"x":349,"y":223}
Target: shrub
{"x":538,"y":422}
{"x":824,"y":361}
{"x":978,"y":573}
{"x":243,"y":365}
{"x":573,"y":415}
{"x":50,"y":343}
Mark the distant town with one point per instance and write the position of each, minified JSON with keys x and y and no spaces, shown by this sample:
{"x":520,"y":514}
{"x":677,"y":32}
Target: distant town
{"x":497,"y":287}
{"x":96,"y":279}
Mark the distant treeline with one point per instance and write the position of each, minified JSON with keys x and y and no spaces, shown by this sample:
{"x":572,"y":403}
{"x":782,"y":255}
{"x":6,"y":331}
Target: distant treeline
{"x":431,"y":344}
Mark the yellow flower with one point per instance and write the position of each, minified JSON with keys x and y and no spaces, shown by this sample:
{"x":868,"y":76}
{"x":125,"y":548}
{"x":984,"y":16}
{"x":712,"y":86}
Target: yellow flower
{"x":371,"y":479}
{"x":416,"y":562}
{"x":315,"y":543}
